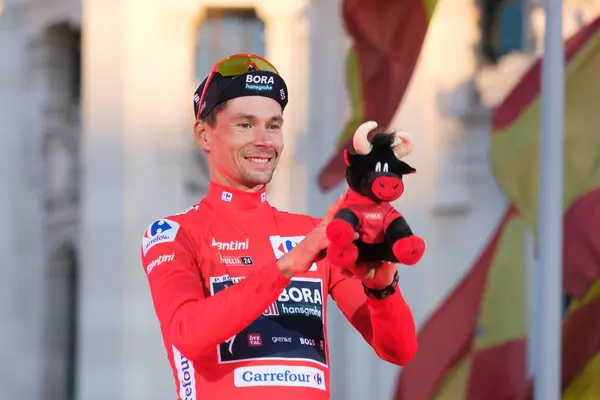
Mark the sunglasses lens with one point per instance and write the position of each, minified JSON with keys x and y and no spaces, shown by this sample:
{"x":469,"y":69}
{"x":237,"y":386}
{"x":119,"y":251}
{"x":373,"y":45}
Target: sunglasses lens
{"x":239,"y":65}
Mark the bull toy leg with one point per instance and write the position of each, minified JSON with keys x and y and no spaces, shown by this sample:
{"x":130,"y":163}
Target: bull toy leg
{"x":341,"y":232}
{"x":407,"y":247}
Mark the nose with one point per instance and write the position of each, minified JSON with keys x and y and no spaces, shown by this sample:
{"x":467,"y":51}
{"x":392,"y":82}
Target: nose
{"x":388,"y":182}
{"x":262,"y":137}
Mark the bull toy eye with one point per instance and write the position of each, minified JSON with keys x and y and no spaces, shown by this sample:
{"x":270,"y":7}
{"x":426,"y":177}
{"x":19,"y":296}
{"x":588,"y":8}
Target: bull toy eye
{"x":386,"y":167}
{"x":378,"y":167}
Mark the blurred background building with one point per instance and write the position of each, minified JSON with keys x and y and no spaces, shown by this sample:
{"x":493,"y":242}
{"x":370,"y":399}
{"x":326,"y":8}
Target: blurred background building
{"x":96,"y":142}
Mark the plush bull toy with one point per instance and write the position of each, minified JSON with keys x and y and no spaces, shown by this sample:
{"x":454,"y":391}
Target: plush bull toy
{"x":374,"y":175}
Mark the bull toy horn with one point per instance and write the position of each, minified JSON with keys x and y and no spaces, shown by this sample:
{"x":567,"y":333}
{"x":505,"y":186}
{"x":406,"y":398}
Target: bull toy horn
{"x":402,"y":144}
{"x":360,"y":141}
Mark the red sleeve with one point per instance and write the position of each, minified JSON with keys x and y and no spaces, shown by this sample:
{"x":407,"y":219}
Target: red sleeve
{"x":191,"y":321}
{"x":387,"y":325}
{"x":390,"y":215}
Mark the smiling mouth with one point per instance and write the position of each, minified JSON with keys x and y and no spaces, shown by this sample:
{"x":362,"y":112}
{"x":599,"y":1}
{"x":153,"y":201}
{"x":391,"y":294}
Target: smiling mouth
{"x":383,"y":196}
{"x":259,"y":160}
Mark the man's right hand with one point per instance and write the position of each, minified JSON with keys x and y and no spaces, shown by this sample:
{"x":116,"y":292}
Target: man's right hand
{"x":304,"y":254}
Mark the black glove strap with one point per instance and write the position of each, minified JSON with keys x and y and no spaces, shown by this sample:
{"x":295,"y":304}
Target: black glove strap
{"x":380,"y":294}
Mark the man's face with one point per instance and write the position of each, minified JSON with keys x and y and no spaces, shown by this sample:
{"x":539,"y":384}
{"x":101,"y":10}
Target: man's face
{"x":244,"y":146}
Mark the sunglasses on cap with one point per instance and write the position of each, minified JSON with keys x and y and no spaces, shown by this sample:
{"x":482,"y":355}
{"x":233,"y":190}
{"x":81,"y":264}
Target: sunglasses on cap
{"x":234,"y":65}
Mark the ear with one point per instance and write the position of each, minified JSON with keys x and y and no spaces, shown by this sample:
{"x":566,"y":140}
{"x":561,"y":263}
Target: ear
{"x":202,"y":135}
{"x":347,"y":158}
{"x":406,"y":169}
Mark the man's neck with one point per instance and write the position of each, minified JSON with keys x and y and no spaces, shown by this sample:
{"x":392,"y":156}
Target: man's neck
{"x":243,"y":198}
{"x":236,"y":185}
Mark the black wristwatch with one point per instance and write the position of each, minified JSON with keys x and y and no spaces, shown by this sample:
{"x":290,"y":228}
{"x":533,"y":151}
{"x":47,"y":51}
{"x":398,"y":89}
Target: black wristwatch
{"x":387,"y":291}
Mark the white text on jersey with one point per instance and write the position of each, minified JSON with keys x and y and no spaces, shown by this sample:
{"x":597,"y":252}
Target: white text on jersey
{"x":232,"y":245}
{"x":161,"y":259}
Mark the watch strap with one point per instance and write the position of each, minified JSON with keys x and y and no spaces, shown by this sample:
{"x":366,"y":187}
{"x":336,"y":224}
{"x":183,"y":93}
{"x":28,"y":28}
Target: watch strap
{"x":387,"y":291}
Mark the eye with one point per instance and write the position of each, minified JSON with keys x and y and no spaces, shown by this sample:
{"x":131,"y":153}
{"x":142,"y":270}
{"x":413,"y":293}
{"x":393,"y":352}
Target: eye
{"x":274,"y":126}
{"x":386,"y":167}
{"x":245,"y":125}
{"x":378,"y":167}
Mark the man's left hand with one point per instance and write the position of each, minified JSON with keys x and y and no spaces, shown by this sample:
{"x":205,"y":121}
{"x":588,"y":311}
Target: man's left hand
{"x":376,"y":275}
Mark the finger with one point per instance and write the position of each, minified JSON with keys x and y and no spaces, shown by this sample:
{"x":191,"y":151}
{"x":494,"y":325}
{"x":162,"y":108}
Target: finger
{"x":333,"y":209}
{"x":356,"y":235}
{"x":324,"y":242}
{"x":370,"y":274}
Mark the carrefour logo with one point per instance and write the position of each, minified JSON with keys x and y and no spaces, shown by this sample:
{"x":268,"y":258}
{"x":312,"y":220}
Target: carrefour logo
{"x":185,"y":375}
{"x":160,"y":231}
{"x":284,"y":244}
{"x":280,"y":375}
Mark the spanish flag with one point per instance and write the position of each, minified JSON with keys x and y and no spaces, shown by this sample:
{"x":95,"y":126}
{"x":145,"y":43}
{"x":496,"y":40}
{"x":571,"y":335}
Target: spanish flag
{"x":515,"y":159}
{"x":486,"y":357}
{"x":387,"y":39}
{"x":473,"y":348}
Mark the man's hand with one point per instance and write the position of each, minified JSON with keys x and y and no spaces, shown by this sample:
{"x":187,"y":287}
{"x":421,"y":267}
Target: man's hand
{"x":302,"y":256}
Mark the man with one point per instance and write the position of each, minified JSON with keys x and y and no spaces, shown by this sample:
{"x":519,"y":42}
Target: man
{"x":239,"y":287}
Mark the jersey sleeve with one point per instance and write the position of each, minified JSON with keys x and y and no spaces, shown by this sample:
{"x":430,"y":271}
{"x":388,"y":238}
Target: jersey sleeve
{"x":390,"y":215}
{"x":387,"y":325}
{"x":191,"y":319}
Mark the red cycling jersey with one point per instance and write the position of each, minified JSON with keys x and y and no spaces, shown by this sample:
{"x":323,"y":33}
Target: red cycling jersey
{"x":233,"y":325}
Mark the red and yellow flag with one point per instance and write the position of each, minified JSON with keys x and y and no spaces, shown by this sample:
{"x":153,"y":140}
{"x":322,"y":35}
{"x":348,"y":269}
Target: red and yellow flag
{"x":472,"y":348}
{"x":387,"y":39}
{"x":515,"y":158}
{"x":486,"y":357}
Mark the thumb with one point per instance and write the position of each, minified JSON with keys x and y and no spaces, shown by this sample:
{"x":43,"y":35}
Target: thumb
{"x":334,"y":208}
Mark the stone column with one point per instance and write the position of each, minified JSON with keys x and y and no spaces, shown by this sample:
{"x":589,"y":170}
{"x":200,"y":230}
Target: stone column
{"x":135,"y":77}
{"x":105,"y":55}
{"x":20,"y":299}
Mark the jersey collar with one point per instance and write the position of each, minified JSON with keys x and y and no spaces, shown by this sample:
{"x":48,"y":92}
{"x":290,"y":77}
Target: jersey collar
{"x":228,"y":197}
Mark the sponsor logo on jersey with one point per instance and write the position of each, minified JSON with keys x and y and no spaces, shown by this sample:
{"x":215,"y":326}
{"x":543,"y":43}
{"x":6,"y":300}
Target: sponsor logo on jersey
{"x":284,"y":244}
{"x":254,"y":339}
{"x":308,"y":342}
{"x":302,"y":297}
{"x":235,"y":261}
{"x":373,"y":215}
{"x":280,"y":375}
{"x":224,"y":279}
{"x":226,"y":196}
{"x":185,"y":375}
{"x":232,"y":245}
{"x":281,"y":339}
{"x":304,"y":300}
{"x":160,"y":260}
{"x":161,"y":231}
{"x":271,"y":310}
{"x":298,"y":312}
